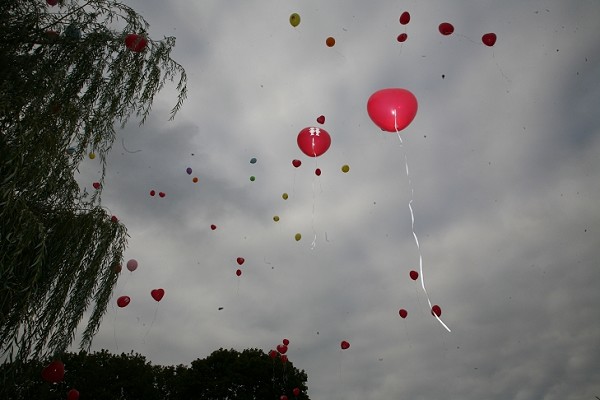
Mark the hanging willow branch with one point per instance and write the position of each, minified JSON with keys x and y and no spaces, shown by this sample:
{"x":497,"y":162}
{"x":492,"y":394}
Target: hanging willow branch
{"x":66,"y":79}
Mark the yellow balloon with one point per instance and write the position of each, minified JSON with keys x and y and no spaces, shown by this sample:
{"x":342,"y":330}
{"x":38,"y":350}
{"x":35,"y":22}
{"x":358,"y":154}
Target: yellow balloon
{"x":284,"y":196}
{"x":276,"y":218}
{"x":298,"y":237}
{"x":345,"y":168}
{"x":295,"y":20}
{"x":92,"y":156}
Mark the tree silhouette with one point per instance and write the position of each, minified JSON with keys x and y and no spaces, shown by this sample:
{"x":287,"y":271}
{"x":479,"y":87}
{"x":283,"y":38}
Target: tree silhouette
{"x":68,"y":74}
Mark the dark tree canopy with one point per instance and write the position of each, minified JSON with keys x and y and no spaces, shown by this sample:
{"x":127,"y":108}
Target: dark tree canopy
{"x":67,"y":78}
{"x":224,"y":375}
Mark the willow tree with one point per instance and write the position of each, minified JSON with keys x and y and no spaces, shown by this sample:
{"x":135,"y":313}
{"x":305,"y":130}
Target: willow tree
{"x":70,"y":75}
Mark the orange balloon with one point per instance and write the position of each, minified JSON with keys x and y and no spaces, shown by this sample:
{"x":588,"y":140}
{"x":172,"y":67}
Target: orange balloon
{"x":330,"y":41}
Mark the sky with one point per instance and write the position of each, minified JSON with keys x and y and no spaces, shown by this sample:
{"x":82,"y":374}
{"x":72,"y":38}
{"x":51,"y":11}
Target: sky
{"x":503,"y":161}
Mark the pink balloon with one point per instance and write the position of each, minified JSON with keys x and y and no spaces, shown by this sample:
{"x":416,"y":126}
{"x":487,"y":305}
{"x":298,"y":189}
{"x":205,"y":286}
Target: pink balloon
{"x":132,"y":265}
{"x":392,"y":109}
{"x":313,"y":141}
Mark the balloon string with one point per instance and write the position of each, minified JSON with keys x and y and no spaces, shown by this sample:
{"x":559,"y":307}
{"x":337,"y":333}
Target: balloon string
{"x":151,"y":323}
{"x":314,"y":242}
{"x":412,"y":217}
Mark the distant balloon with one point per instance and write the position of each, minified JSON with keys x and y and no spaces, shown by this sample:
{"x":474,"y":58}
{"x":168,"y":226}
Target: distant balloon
{"x":283,"y":359}
{"x":157,"y":294}
{"x":321,"y":119}
{"x":282,"y":348}
{"x":240,"y":260}
{"x":345,"y":168}
{"x":276,"y":218}
{"x":403,"y":313}
{"x":436,"y":310}
{"x":402,"y":37}
{"x":188,"y":170}
{"x":152,"y":193}
{"x":123,"y":301}
{"x":392,"y":109}
{"x":162,"y":194}
{"x":489,"y":39}
{"x":54,"y":372}
{"x":92,"y":156}
{"x":114,"y":218}
{"x":213,"y":227}
{"x":73,"y":394}
{"x":296,"y":163}
{"x":294,"y":20}
{"x":318,"y":172}
{"x":284,"y":196}
{"x":297,"y":237}
{"x":405,"y":18}
{"x":135,"y":43}
{"x":252,"y":178}
{"x":446,"y":28}
{"x":132,"y":265}
{"x":52,"y":3}
{"x":238,"y":272}
{"x":313,"y":141}
{"x":117,"y":268}
{"x":286,"y":341}
{"x":195,"y":179}
{"x":296,"y":392}
{"x":283,"y":397}
{"x":273,"y":354}
{"x":96,"y":185}
{"x":330,"y":41}
{"x":344,"y":345}
{"x":253,"y":160}
{"x":414,"y":275}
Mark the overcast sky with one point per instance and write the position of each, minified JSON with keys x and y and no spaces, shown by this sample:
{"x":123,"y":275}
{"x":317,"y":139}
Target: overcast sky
{"x":503,"y":158}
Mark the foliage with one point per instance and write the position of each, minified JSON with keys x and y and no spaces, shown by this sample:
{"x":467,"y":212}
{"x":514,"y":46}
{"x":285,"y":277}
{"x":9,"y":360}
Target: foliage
{"x":224,"y":375}
{"x":66,"y":78}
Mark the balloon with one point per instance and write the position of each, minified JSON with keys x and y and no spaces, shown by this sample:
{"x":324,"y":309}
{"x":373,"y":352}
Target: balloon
{"x":313,"y":141}
{"x":330,"y":41}
{"x":297,"y":237}
{"x":123,"y":301}
{"x":296,"y":163}
{"x":296,"y":392}
{"x":436,"y":310}
{"x":286,"y":341}
{"x":489,"y":39}
{"x":161,"y":194}
{"x":135,"y":43}
{"x":238,"y":272}
{"x":213,"y":227}
{"x":132,"y":265}
{"x":402,"y":37}
{"x":283,"y":359}
{"x":54,"y":372}
{"x":152,"y":193}
{"x":157,"y":294}
{"x":414,"y":275}
{"x":276,"y":218}
{"x":344,"y":345}
{"x":52,"y":3}
{"x":96,"y":185}
{"x":345,"y":168}
{"x":295,"y":20}
{"x":252,"y":178}
{"x":283,"y":397}
{"x":73,"y":394}
{"x":253,"y":160}
{"x":240,"y":260}
{"x":117,"y":267}
{"x":92,"y":156}
{"x":318,"y":172}
{"x":195,"y":179}
{"x":392,"y":109}
{"x":405,"y":18}
{"x":282,"y":348}
{"x":273,"y":354}
{"x":446,"y":28}
{"x":403,"y":313}
{"x":284,"y":196}
{"x":321,"y":119}
{"x":188,"y":170}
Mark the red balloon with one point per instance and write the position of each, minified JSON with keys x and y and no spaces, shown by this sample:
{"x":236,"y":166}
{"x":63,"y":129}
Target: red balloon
{"x":283,"y":397}
{"x":52,"y":2}
{"x":123,"y":301}
{"x":314,"y":141}
{"x":73,"y":394}
{"x":402,"y":37}
{"x":54,"y":372}
{"x":446,"y":28}
{"x":286,"y":341}
{"x":436,"y":310}
{"x":240,"y":260}
{"x":296,"y":163}
{"x":405,"y":18}
{"x":318,"y":172}
{"x":403,"y":313}
{"x":284,"y":358}
{"x":213,"y":227}
{"x":135,"y":43}
{"x":161,"y":194}
{"x":132,"y":265}
{"x":157,"y":294}
{"x":489,"y":39}
{"x":414,"y":275}
{"x":152,"y":192}
{"x":344,"y":345}
{"x":296,"y":392}
{"x":392,"y":109}
{"x":96,"y":185}
{"x":321,"y":119}
{"x":273,"y":354}
{"x":282,"y":348}
{"x":238,"y":272}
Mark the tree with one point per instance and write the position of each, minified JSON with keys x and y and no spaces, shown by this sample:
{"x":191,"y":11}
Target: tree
{"x":68,"y":74}
{"x":224,"y":375}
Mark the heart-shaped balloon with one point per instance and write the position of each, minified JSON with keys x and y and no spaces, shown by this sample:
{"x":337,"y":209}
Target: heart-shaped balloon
{"x":313,"y":141}
{"x":392,"y":109}
{"x":54,"y":372}
{"x":135,"y":43}
{"x":344,"y":345}
{"x":282,"y":348}
{"x":321,"y":119}
{"x":157,"y":294}
{"x":240,"y":260}
{"x":489,"y":39}
{"x":296,"y":163}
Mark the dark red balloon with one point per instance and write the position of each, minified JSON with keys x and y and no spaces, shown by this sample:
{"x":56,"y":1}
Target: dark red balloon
{"x":436,"y":310}
{"x":73,"y":394}
{"x":152,"y":193}
{"x":318,"y":172}
{"x":135,"y":43}
{"x":405,"y":18}
{"x":344,"y":345}
{"x":296,"y":163}
{"x":489,"y":39}
{"x":392,"y":109}
{"x":238,"y":272}
{"x":157,"y":294}
{"x":273,"y":354}
{"x":414,"y":275}
{"x":286,"y":341}
{"x":54,"y":372}
{"x":446,"y":28}
{"x":284,"y":358}
{"x":313,"y":141}
{"x":282,"y":348}
{"x":283,"y":397}
{"x":213,"y":227}
{"x":161,"y":194}
{"x":296,"y":392}
{"x":123,"y":301}
{"x":240,"y":260}
{"x":321,"y":119}
{"x":403,"y":313}
{"x":402,"y":37}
